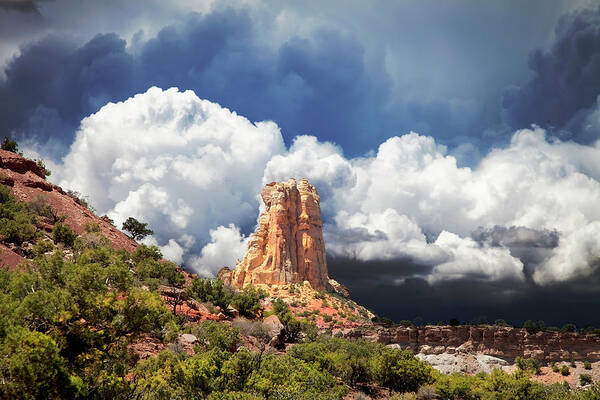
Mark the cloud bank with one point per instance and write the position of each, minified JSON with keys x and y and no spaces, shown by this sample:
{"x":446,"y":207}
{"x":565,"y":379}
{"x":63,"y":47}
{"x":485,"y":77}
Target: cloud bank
{"x":193,"y":170}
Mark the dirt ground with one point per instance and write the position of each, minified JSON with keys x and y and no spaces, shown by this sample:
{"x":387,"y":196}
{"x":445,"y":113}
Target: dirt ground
{"x":547,"y":376}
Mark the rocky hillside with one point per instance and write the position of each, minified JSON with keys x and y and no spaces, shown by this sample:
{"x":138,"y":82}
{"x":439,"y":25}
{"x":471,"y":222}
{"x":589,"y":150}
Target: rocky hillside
{"x":26,"y":181}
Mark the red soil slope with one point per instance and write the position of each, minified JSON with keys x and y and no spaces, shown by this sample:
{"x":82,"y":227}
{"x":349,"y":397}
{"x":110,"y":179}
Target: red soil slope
{"x":25,"y":180}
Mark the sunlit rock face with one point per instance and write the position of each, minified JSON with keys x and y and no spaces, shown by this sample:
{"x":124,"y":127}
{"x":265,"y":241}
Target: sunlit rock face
{"x":288,"y":245}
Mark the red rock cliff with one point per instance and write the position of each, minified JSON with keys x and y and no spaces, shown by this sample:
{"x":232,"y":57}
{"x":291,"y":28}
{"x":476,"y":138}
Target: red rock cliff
{"x":288,"y":245}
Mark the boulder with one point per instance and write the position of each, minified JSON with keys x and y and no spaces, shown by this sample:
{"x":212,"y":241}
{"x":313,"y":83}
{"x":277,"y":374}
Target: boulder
{"x":273,"y":325}
{"x":188,"y":338}
{"x":19,"y":164}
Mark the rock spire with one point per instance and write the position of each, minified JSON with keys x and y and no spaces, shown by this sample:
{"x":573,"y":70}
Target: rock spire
{"x":288,"y":245}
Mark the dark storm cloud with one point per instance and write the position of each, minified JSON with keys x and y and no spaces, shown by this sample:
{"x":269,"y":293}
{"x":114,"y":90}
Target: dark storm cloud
{"x":352,"y":235}
{"x":53,"y":84}
{"x":566,"y":78}
{"x":516,"y":236}
{"x":388,"y":290}
{"x":531,"y":246}
{"x":27,"y":6}
{"x":344,"y":81}
{"x":318,"y":84}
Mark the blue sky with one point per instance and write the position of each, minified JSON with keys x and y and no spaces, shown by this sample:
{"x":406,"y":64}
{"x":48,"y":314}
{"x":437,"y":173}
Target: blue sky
{"x":454,"y":144}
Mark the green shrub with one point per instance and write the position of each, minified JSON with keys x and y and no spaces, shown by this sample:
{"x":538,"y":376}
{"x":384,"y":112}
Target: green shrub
{"x":500,"y":322}
{"x":210,"y":290}
{"x":237,"y":369}
{"x":91,"y":227}
{"x":215,"y":335}
{"x":17,"y":222}
{"x":4,"y":194}
{"x":528,"y":364}
{"x":496,"y":385}
{"x":587,"y":365}
{"x":63,"y":233}
{"x":151,"y":270}
{"x":345,"y":359}
{"x":382,"y":320}
{"x":555,"y":368}
{"x":285,"y":377}
{"x":585,"y":379}
{"x":32,"y":368}
{"x":534,"y":327}
{"x":144,"y":253}
{"x":78,"y":198}
{"x":564,"y":370}
{"x":17,"y":230}
{"x":161,"y":272}
{"x":247,"y":301}
{"x":89,"y":323}
{"x":42,"y":247}
{"x":293,"y":327}
{"x":42,"y":166}
{"x":568,"y":328}
{"x":590,"y":330}
{"x":327,"y":318}
{"x":401,"y":371}
{"x":9,"y":145}
{"x":357,"y":362}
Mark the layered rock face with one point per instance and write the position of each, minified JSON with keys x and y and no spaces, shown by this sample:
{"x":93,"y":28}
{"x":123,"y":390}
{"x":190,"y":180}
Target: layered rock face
{"x":288,"y":245}
{"x":502,"y":342}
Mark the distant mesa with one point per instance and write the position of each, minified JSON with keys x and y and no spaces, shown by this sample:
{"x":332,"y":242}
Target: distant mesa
{"x":288,"y":245}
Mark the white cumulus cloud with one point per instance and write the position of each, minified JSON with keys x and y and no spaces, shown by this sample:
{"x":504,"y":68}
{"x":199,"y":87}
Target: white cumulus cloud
{"x":181,"y":164}
{"x":411,"y":199}
{"x":193,"y":170}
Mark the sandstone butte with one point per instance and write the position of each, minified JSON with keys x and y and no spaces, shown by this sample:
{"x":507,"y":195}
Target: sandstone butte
{"x":288,"y":245}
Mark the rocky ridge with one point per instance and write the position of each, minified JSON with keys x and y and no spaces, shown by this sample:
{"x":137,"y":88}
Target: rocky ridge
{"x":26,"y":181}
{"x":505,"y":343}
